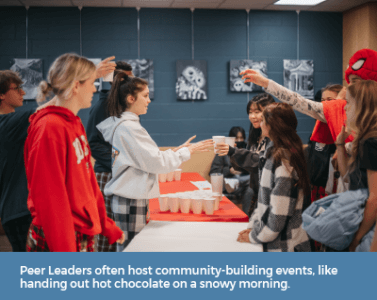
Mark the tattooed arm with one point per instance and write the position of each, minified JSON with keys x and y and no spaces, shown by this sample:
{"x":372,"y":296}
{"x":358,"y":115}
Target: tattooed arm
{"x":299,"y":103}
{"x":308,"y":107}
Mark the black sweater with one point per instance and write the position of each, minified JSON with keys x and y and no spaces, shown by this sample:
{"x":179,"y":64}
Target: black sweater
{"x":101,"y":150}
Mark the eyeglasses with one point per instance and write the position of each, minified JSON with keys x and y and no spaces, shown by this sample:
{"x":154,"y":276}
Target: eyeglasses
{"x":17,"y":88}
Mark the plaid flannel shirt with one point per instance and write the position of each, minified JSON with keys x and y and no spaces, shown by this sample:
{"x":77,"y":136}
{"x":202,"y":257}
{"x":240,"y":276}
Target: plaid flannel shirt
{"x":276,"y":222}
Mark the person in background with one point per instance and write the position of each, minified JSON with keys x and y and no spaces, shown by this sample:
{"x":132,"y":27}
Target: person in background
{"x":136,"y":158}
{"x":361,"y":111}
{"x":248,"y":159}
{"x":238,"y":188}
{"x":14,"y":214}
{"x":101,"y":150}
{"x":319,"y":154}
{"x":15,"y":217}
{"x":284,"y":186}
{"x":64,"y":199}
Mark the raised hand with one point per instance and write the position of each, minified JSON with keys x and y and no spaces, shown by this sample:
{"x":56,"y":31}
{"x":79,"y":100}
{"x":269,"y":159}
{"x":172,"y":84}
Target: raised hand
{"x":342,"y":93}
{"x":185,"y":144}
{"x":254,"y":77}
{"x":342,"y":136}
{"x":105,"y":67}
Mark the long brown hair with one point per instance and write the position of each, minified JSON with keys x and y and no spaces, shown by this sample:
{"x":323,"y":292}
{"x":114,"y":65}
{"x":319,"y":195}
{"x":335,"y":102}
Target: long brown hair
{"x":122,"y":86}
{"x":364,"y":94}
{"x":282,"y":123}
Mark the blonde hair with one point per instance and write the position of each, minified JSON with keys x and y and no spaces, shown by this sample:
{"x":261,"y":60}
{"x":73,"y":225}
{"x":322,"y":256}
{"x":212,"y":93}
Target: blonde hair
{"x":62,"y":74}
{"x":364,"y":93}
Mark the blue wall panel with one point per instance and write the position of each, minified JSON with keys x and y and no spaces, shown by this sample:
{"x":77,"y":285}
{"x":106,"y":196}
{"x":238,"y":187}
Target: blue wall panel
{"x":165,"y":37}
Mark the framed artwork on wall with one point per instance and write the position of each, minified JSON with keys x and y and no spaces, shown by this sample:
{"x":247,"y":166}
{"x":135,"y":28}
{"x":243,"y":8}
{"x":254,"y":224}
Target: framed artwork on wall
{"x":191,"y":80}
{"x":298,"y":77}
{"x":235,"y":79}
{"x":31,"y":72}
{"x":143,"y":68}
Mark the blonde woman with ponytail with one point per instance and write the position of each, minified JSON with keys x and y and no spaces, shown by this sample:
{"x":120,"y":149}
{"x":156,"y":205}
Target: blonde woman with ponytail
{"x":361,"y":110}
{"x":136,"y":158}
{"x":65,"y":202}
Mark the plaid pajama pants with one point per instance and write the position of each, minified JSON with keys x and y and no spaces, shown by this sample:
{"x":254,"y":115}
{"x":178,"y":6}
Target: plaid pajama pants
{"x":36,"y":241}
{"x":102,"y":244}
{"x":131,"y":216}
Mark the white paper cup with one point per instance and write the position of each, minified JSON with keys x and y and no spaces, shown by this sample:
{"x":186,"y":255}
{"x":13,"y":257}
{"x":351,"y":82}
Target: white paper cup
{"x":162,"y":177}
{"x":177,"y":174}
{"x":170,"y":176}
{"x":218,"y":139}
{"x":218,"y":198}
{"x":209,"y":205}
{"x":164,"y":203}
{"x":217,"y":182}
{"x":173,"y":201}
{"x":185,"y":204}
{"x":197,"y":205}
{"x":230,"y":141}
{"x":109,"y":77}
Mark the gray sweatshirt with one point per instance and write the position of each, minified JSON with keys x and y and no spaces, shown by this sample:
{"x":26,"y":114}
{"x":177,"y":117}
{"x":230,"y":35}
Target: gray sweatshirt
{"x":136,"y":158}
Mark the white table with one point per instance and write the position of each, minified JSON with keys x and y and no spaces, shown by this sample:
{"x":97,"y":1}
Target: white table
{"x":161,"y":236}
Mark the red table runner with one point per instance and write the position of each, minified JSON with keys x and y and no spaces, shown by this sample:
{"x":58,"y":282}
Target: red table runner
{"x":228,"y":211}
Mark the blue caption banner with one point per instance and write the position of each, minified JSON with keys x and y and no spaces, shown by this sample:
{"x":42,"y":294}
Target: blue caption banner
{"x":187,"y":275}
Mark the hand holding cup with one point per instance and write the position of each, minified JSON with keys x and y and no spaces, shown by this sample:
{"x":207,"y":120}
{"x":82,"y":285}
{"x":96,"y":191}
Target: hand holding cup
{"x":222,"y":149}
{"x":105,"y":67}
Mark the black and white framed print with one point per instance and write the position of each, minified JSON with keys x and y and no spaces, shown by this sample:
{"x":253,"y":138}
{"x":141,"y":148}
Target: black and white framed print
{"x":237,"y":66}
{"x":298,"y":77}
{"x":143,"y":68}
{"x":191,"y":80}
{"x":31,"y":73}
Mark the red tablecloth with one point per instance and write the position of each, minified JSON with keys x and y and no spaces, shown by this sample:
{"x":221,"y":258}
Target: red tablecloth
{"x":228,"y":212}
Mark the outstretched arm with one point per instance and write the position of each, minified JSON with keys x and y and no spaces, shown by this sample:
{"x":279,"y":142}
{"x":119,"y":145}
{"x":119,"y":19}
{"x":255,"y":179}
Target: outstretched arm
{"x":308,"y":107}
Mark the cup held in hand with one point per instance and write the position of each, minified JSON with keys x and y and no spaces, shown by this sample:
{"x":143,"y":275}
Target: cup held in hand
{"x":218,"y":139}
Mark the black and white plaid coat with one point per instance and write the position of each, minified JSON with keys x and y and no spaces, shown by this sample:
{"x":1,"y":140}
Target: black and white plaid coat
{"x":276,"y":222}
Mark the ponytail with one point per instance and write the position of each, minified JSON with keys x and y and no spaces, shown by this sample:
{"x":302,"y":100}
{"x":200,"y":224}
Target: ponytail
{"x":44,"y":91}
{"x":123,"y":86}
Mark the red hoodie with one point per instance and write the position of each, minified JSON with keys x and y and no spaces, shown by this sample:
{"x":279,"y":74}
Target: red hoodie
{"x":64,"y":196}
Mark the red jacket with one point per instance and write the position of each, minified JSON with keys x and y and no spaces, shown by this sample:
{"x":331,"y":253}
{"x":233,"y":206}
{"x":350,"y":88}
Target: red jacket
{"x":64,"y":196}
{"x":335,"y":116}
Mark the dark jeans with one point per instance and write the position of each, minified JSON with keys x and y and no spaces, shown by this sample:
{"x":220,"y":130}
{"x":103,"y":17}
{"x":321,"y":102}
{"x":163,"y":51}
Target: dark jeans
{"x":16,"y":230}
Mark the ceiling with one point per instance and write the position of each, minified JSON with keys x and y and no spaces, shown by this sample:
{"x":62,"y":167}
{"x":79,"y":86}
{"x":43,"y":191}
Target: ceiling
{"x":328,"y":5}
